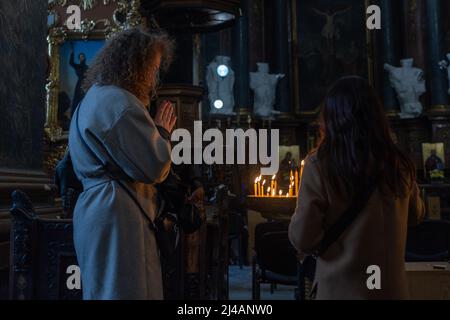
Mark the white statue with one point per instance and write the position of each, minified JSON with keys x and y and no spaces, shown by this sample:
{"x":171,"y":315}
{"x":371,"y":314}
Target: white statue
{"x":409,"y":85}
{"x":264,"y":86}
{"x":220,"y":81}
{"x":448,"y":72}
{"x":444,"y":64}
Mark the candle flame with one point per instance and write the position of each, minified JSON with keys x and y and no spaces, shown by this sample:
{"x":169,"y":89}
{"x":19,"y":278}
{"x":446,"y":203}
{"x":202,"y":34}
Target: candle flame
{"x":280,"y":193}
{"x":303,"y":162}
{"x":264,"y":182}
{"x":274,"y":176}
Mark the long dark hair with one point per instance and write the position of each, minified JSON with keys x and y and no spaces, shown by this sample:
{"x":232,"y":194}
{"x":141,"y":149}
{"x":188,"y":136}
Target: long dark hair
{"x":357,"y":143}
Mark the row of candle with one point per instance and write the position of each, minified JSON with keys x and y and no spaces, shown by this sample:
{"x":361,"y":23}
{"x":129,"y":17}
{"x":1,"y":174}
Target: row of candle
{"x":263,"y":190}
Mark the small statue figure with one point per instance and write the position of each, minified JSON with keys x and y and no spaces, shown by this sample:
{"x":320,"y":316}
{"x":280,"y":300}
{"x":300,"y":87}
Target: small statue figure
{"x":220,"y":81}
{"x":445,"y":65}
{"x":264,"y":86}
{"x":409,"y":85}
{"x":448,"y":72}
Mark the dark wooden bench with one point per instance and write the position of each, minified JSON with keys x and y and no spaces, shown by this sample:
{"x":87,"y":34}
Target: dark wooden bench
{"x":43,"y":264}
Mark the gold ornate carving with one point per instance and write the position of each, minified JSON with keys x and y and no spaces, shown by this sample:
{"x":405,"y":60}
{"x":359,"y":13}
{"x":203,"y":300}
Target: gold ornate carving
{"x":440,"y":107}
{"x":58,"y":33}
{"x":90,"y":29}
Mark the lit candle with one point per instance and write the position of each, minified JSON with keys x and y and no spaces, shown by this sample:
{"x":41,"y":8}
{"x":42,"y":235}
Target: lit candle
{"x":259,"y":186}
{"x":296,"y":182}
{"x":301,"y":170}
{"x":268,"y":191}
{"x":262,"y":188}
{"x":256,"y":187}
{"x":290,"y":189}
{"x":280,"y":193}
{"x":273,"y":184}
{"x":274,"y":179}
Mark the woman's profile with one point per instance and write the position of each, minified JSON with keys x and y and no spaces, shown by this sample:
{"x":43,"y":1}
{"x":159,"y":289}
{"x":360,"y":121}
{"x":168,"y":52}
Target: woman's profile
{"x":119,"y":152}
{"x":356,"y":150}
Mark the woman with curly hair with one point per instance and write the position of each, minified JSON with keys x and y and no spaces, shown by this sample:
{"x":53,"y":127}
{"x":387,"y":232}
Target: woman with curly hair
{"x":119,"y":152}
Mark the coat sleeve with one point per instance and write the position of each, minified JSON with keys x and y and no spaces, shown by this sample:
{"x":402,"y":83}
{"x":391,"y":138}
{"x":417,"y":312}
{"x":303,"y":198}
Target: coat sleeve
{"x":306,"y":227}
{"x":136,"y":145}
{"x":416,"y":207}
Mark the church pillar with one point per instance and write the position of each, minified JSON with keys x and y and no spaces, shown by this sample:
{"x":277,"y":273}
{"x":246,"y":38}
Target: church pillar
{"x":437,"y":80}
{"x":256,"y":29}
{"x":241,"y":61}
{"x":281,"y":46}
{"x":439,"y":109}
{"x":414,"y":21}
{"x":389,"y":53}
{"x":22,"y":106}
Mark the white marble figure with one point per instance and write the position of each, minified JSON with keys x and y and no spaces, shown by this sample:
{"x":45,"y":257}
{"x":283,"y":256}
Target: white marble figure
{"x":264,"y":86}
{"x":409,"y":85}
{"x":448,"y":72}
{"x":445,"y":65}
{"x":220,"y":88}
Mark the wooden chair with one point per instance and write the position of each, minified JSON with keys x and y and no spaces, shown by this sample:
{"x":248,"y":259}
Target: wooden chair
{"x":275,"y":260}
{"x":217,"y":250}
{"x":43,"y":259}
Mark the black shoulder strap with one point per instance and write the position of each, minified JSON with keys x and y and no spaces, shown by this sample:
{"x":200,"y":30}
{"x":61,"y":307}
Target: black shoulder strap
{"x":346,"y":219}
{"x":120,"y":182}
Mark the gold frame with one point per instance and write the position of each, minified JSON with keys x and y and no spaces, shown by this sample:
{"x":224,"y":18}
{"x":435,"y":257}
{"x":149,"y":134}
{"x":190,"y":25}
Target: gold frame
{"x":296,"y":67}
{"x":90,"y":30}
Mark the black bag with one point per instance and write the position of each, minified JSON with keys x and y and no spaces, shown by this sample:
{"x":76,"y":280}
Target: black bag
{"x":175,"y":214}
{"x":331,"y":235}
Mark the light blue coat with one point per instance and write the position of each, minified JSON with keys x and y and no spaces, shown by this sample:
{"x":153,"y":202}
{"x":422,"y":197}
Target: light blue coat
{"x":115,"y":247}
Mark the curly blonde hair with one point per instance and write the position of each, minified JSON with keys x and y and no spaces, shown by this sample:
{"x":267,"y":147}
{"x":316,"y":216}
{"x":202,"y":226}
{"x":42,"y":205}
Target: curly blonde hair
{"x":125,"y":58}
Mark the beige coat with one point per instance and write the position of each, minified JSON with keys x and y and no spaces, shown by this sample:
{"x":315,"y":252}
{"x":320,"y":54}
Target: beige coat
{"x":376,"y":237}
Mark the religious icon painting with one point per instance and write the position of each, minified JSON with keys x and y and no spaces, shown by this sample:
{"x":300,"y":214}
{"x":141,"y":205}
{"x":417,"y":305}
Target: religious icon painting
{"x":433,"y":161}
{"x":289,"y":160}
{"x":329,"y":46}
{"x":72,"y":51}
{"x":75,"y":58}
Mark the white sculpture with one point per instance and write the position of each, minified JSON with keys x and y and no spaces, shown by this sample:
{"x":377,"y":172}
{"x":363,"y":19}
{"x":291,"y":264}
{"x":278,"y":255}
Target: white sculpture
{"x":444,"y":64}
{"x":409,"y":85}
{"x":220,"y":81}
{"x":264,"y":87}
{"x":448,"y":73}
